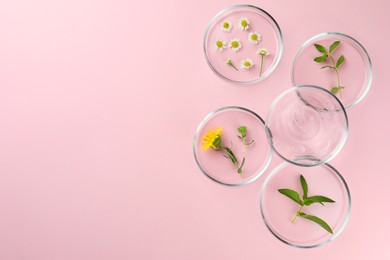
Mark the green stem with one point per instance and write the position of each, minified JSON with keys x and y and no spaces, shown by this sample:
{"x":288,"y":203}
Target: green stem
{"x":261,"y":65}
{"x":297,"y":214}
{"x":231,"y":64}
{"x":337,"y":74}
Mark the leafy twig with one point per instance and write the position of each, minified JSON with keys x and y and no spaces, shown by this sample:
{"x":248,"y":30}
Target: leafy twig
{"x":242,"y":131}
{"x":335,"y":64}
{"x":307,"y":201}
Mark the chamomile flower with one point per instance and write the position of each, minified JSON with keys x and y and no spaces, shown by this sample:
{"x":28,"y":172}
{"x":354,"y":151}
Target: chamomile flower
{"x":254,"y":38}
{"x":247,"y":63}
{"x":243,"y":23}
{"x":227,"y":25}
{"x":235,"y":44}
{"x":263,"y":52}
{"x":220,"y":45}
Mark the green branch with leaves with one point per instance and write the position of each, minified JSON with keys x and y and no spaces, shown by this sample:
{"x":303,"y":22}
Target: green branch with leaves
{"x":242,"y":131}
{"x":307,"y":201}
{"x":335,"y":64}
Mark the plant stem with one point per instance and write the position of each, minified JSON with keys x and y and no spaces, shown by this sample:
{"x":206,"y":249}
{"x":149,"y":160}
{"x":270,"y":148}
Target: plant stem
{"x":230,"y":154}
{"x":337,"y":73}
{"x":297,"y":214}
{"x":231,"y":64}
{"x":261,"y":65}
{"x":233,"y":158}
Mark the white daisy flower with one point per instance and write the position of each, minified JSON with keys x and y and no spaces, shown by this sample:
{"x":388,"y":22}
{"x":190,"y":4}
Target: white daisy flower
{"x":263,"y":51}
{"x":227,"y":25}
{"x":254,"y":38}
{"x":235,"y":44}
{"x":247,"y":63}
{"x":220,"y":45}
{"x":243,"y":23}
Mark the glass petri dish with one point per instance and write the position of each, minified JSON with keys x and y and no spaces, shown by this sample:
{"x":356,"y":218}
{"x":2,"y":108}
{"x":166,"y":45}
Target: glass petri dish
{"x":355,"y":73}
{"x":307,"y":125}
{"x":259,"y":21}
{"x":278,"y":211}
{"x":215,"y":165}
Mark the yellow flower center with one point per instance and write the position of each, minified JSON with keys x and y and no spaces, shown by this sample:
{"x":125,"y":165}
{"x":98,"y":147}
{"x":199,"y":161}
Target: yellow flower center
{"x":235,"y":44}
{"x":244,"y":23}
{"x":226,"y":25}
{"x":219,"y":44}
{"x":254,"y":37}
{"x":247,"y":64}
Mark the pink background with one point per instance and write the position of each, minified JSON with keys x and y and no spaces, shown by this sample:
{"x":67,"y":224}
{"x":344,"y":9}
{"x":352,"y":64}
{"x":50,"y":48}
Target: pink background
{"x":99,"y":102}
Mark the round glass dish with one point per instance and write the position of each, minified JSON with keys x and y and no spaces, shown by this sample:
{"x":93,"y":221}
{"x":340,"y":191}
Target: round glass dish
{"x":259,"y":21}
{"x":307,"y":125}
{"x":355,"y":73}
{"x":257,"y":155}
{"x":278,"y":211}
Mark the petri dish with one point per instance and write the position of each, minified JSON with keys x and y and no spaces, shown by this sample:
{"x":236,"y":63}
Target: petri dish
{"x":259,"y":21}
{"x":215,"y":165}
{"x":355,"y":73}
{"x":278,"y":211}
{"x":307,"y":125}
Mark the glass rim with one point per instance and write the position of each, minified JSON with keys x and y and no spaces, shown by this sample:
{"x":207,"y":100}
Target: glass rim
{"x":279,"y":36}
{"x":342,"y":227}
{"x":194,"y":145}
{"x":319,"y":162}
{"x":366,"y":56}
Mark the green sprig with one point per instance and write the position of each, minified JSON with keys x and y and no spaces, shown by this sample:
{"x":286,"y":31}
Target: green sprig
{"x":242,"y":131}
{"x":336,"y":64}
{"x":307,"y":201}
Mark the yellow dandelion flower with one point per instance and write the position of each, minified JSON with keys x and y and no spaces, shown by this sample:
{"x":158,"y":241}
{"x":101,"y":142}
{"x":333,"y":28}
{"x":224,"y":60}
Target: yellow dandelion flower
{"x":210,"y":137}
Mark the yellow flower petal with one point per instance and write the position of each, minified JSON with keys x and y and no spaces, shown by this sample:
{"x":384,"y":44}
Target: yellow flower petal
{"x":209,"y":138}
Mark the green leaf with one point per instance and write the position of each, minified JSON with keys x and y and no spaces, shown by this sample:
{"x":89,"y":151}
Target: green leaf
{"x":317,"y":199}
{"x":231,"y":154}
{"x":242,"y":130}
{"x":320,"y":48}
{"x":317,"y":220}
{"x":329,"y":67}
{"x":340,"y":61}
{"x":292,"y":194}
{"x":242,"y":165}
{"x":304,"y":186}
{"x":334,"y":90}
{"x":333,"y":46}
{"x":217,"y":142}
{"x":321,"y":58}
{"x":308,"y":202}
